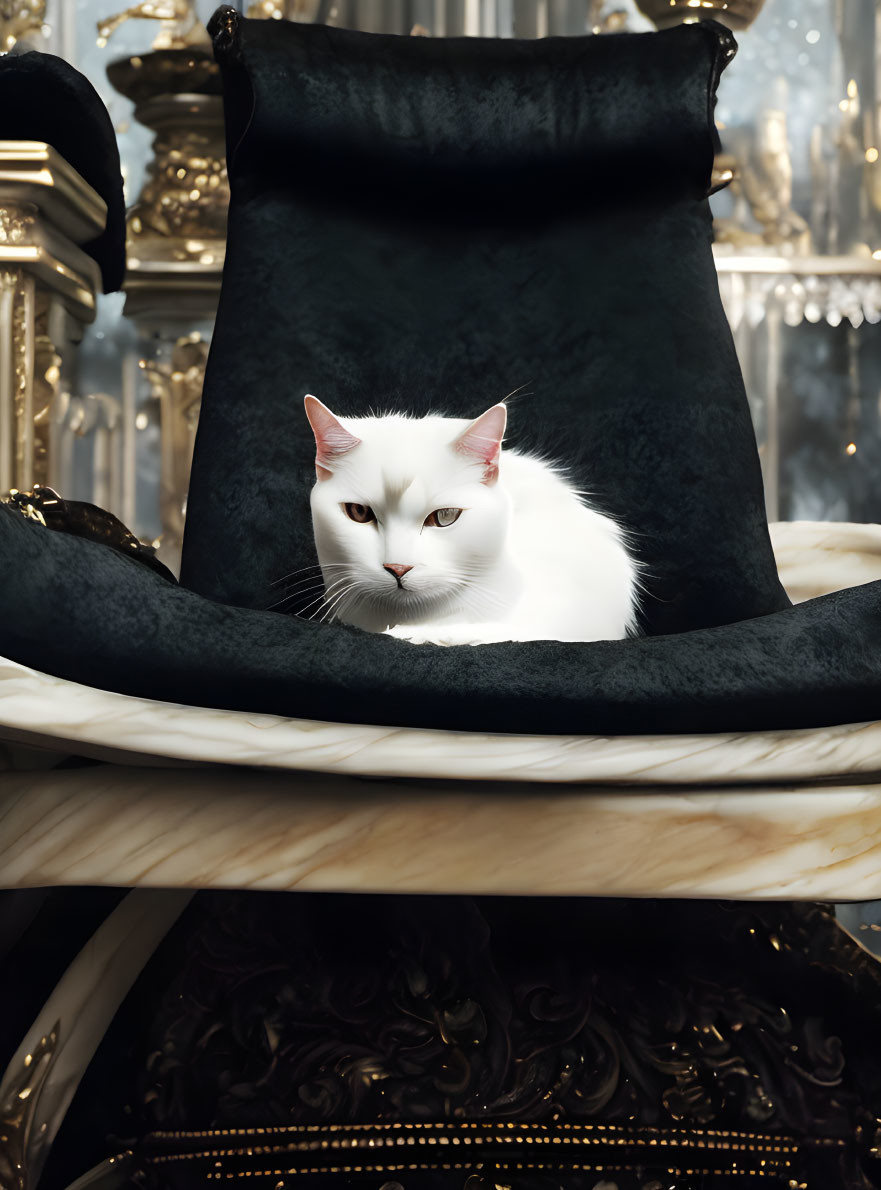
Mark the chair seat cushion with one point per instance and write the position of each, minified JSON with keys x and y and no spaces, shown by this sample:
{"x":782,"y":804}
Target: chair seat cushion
{"x":81,"y":611}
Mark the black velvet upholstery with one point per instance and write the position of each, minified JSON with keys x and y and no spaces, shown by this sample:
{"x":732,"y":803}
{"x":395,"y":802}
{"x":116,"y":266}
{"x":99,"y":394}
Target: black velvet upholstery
{"x":495,"y":214}
{"x":428,"y":224}
{"x":82,"y":611}
{"x":42,"y":98}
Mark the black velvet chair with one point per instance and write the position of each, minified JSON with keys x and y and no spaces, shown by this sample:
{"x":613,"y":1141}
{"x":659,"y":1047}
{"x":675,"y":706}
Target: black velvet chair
{"x":431,"y":224}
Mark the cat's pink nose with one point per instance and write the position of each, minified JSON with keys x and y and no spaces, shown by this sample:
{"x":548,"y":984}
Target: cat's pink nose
{"x":396,"y":569}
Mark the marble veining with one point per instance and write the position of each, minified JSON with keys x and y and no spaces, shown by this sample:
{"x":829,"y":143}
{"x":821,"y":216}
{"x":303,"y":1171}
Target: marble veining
{"x":117,"y":726}
{"x":221,"y":828}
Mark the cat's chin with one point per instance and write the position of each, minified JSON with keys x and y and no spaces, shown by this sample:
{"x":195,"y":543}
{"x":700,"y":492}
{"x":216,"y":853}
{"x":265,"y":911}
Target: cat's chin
{"x":404,"y":607}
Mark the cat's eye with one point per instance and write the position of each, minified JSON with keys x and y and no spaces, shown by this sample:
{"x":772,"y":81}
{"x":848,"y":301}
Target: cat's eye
{"x":362,"y":514}
{"x":442,"y":517}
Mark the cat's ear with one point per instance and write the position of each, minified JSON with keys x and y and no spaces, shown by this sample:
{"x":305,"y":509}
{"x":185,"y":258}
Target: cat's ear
{"x":331,"y":438}
{"x":482,"y":441}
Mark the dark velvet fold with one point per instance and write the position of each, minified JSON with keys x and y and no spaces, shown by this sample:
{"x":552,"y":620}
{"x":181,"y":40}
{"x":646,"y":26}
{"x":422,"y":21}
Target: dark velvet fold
{"x":43,"y":98}
{"x":81,"y":611}
{"x":427,"y":225}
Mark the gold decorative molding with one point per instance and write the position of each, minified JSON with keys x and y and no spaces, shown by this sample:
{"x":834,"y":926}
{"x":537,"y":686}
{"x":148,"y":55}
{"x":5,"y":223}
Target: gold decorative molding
{"x":31,"y":245}
{"x":32,"y":172}
{"x":16,"y":372}
{"x":48,"y":288}
{"x":46,"y":210}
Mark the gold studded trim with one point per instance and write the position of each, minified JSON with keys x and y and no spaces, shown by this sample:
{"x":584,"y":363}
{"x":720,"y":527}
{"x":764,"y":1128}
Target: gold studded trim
{"x":231,"y":1153}
{"x":503,"y":1132}
{"x":673,"y":1171}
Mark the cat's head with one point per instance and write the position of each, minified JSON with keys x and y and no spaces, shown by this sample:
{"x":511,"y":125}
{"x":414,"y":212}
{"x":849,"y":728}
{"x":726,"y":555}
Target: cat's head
{"x":409,"y":514}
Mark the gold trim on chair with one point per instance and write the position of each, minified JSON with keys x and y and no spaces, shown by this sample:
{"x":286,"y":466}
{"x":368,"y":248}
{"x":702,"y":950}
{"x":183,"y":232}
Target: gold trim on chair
{"x":329,"y":1149}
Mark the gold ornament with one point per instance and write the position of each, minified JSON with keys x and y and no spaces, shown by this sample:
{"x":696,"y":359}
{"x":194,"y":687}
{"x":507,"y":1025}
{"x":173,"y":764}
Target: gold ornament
{"x":736,"y":14}
{"x":19,"y":19}
{"x":18,"y":1108}
{"x":179,"y":27}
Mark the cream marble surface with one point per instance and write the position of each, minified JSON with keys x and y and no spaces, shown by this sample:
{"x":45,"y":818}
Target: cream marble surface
{"x":248,"y":829}
{"x":816,"y":557}
{"x":115,"y":726}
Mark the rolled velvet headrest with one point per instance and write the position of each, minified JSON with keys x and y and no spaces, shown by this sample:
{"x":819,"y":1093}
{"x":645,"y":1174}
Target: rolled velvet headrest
{"x":570,"y":119}
{"x":42,"y":98}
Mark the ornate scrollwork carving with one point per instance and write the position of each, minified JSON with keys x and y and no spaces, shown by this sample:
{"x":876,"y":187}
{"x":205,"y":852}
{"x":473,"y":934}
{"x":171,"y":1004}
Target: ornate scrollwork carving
{"x":186,"y":194}
{"x":695,"y":1017}
{"x":176,"y":385}
{"x":16,"y":223}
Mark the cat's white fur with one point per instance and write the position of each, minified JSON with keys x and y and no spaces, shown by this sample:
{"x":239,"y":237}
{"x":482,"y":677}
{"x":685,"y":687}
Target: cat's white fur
{"x":527,"y":558}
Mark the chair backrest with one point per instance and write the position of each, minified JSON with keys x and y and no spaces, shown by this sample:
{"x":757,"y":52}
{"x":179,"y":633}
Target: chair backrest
{"x":427,"y":225}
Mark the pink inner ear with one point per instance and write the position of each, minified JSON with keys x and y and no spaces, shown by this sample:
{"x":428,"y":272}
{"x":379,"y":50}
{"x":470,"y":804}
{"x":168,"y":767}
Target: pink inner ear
{"x":331,"y":438}
{"x":482,"y":440}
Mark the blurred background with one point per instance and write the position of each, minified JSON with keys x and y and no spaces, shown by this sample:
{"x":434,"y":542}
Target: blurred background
{"x":798,"y":233}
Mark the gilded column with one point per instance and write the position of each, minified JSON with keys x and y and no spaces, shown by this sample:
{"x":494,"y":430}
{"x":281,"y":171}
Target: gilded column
{"x":47,"y":295}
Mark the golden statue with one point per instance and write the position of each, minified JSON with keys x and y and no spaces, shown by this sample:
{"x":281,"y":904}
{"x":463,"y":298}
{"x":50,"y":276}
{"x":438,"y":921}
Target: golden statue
{"x":179,"y":27}
{"x":600,"y":21}
{"x":19,"y":19}
{"x":304,"y":11}
{"x":766,"y":178}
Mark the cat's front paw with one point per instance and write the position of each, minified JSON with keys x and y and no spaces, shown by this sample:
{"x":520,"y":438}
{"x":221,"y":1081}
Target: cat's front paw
{"x":450,"y":634}
{"x":416,"y":634}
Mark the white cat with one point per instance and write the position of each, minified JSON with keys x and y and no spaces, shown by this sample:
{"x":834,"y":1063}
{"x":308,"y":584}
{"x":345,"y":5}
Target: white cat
{"x":426,"y":529}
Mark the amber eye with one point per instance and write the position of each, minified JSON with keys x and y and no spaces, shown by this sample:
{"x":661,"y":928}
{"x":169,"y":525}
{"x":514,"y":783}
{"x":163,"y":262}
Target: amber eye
{"x":442,"y":517}
{"x":360,"y":513}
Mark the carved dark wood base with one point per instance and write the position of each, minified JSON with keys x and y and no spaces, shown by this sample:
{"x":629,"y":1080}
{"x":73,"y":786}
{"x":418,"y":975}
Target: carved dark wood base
{"x":524,"y":1043}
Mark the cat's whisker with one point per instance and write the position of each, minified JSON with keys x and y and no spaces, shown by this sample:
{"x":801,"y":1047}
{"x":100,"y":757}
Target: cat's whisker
{"x":326,"y":593}
{"x":294,"y":597}
{"x":309,"y":578}
{"x":284,"y":578}
{"x":519,"y":392}
{"x":316,"y":566}
{"x":314,"y":580}
{"x":338,"y":587}
{"x":335,"y":603}
{"x":297,"y":591}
